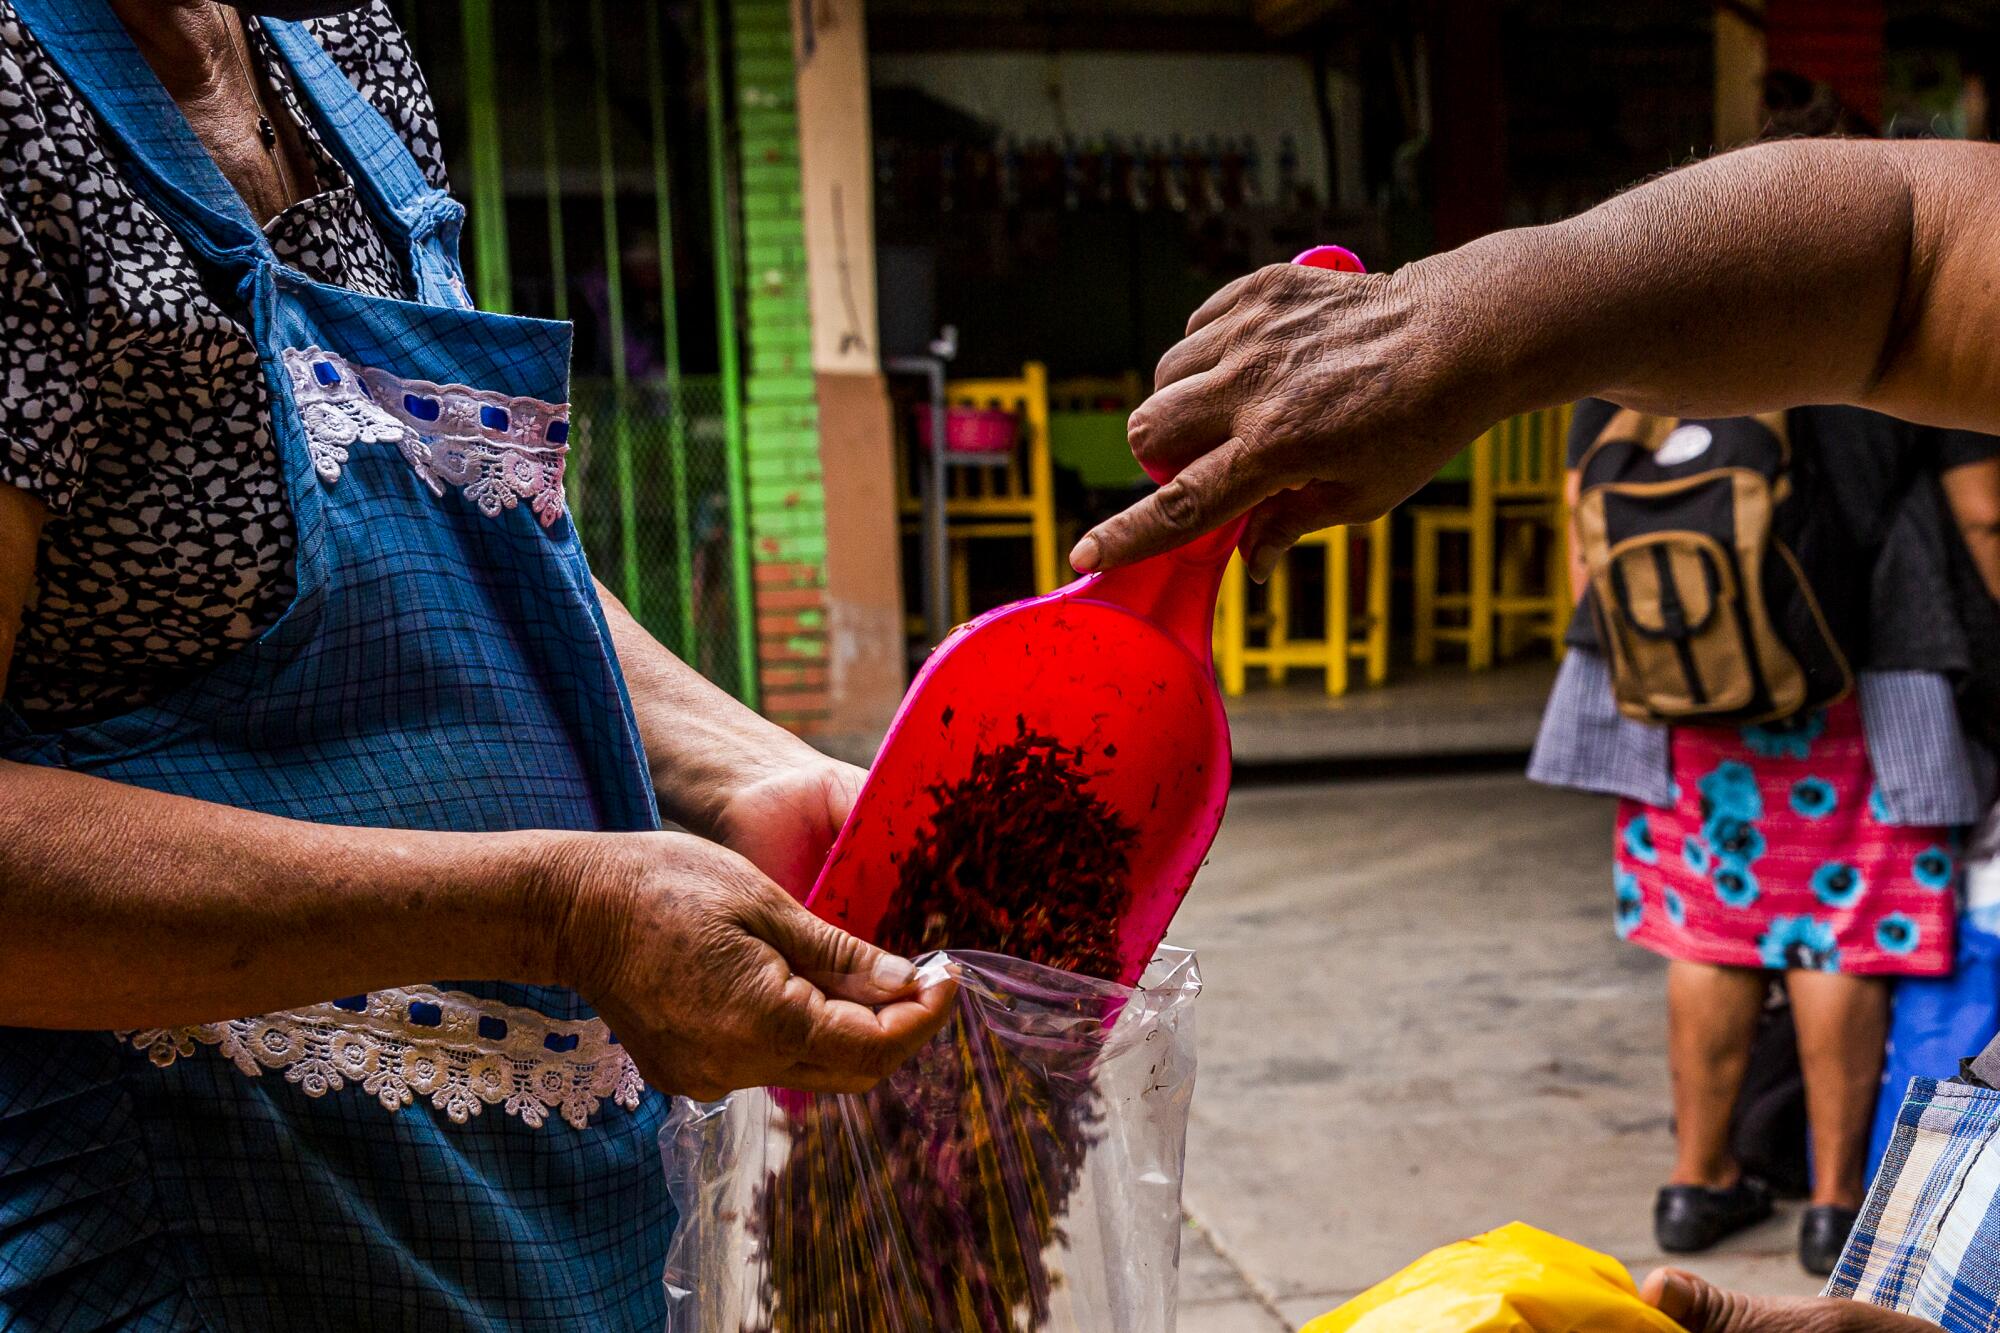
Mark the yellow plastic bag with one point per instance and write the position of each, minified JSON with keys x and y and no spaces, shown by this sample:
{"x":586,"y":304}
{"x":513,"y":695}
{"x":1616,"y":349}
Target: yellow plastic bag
{"x":1518,"y":1279}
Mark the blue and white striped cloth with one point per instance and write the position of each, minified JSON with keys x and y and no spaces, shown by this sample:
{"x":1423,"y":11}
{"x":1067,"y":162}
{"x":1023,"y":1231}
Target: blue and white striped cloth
{"x":1586,"y":743}
{"x":1928,"y":1240}
{"x":1926,"y":770}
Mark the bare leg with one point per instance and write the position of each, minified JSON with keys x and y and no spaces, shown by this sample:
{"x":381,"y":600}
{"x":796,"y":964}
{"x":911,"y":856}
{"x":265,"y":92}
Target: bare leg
{"x":1711,"y":1017}
{"x":1842,"y":1023}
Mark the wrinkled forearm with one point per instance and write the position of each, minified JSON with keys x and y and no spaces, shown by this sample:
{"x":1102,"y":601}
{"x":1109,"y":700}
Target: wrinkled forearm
{"x":1797,"y":272}
{"x":702,"y":744}
{"x":122,"y":907}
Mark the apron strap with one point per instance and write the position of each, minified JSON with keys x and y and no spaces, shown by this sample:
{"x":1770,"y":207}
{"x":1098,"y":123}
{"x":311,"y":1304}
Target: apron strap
{"x":159,"y":149}
{"x":425,"y":219}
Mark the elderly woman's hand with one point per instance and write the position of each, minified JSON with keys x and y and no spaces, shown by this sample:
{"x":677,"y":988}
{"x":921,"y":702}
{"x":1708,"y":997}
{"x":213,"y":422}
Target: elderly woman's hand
{"x":1304,"y":398}
{"x":715,"y":978}
{"x":1700,"y":1308}
{"x":784,"y":822}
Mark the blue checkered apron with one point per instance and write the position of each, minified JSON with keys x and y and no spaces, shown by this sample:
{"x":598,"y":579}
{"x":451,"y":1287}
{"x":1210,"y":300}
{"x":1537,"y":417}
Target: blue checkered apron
{"x":463,"y":1154}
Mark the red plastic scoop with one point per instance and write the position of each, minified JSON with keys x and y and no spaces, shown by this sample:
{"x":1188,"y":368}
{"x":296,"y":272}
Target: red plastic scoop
{"x":1120,"y":664}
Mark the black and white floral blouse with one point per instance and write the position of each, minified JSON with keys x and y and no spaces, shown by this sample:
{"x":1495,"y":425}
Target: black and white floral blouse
{"x":131,"y":403}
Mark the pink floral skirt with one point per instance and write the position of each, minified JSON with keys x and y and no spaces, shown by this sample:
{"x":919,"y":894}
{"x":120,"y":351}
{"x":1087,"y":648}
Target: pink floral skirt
{"x":1775,"y":854}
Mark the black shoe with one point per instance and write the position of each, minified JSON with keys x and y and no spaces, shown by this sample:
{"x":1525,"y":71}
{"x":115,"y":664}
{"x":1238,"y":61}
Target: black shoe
{"x":1687,"y":1218}
{"x":1823,"y":1232}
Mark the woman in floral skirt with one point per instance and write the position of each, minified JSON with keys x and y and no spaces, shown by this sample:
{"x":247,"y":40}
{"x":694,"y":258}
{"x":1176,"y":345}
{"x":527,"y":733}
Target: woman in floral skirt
{"x":1815,"y":878}
{"x":1821,"y":847}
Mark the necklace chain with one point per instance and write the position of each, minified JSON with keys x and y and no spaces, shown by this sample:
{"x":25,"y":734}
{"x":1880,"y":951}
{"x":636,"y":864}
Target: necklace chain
{"x":238,"y":40}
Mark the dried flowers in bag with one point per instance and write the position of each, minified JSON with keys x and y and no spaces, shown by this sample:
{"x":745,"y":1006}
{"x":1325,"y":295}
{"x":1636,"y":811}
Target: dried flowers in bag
{"x":1022,"y":1173}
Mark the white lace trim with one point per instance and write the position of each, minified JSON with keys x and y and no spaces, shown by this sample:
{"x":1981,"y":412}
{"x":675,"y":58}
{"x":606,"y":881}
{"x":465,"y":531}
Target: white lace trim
{"x":498,"y":451}
{"x":461,"y":1052}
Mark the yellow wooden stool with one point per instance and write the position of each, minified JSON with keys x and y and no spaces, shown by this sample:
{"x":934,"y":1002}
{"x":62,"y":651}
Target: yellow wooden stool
{"x":1349,"y":637}
{"x":1516,"y":492}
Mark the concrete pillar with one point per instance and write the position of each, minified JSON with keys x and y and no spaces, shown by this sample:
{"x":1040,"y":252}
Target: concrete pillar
{"x":863,"y":590}
{"x":1739,"y":72}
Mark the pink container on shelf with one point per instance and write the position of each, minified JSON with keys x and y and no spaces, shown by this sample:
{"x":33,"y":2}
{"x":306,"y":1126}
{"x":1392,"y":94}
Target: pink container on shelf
{"x":972,"y":430}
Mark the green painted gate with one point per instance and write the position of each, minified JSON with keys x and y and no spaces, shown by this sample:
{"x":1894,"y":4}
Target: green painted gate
{"x":592,"y":143}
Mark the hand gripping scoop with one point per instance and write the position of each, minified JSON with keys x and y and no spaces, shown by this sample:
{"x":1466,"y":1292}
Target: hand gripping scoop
{"x":1118,"y":665}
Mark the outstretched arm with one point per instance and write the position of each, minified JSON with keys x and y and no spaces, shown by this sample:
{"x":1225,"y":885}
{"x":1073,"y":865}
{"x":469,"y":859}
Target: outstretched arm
{"x":1798,"y":272}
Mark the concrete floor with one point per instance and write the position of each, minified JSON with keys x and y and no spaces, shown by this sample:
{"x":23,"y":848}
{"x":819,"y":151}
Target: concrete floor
{"x":1417,"y":1025}
{"x":1419,"y":711}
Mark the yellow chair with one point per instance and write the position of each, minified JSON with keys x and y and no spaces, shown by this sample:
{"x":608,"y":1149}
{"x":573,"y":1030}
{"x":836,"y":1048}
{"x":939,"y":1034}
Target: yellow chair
{"x":1093,"y":393}
{"x":1516,"y":496}
{"x":1348,"y":637}
{"x":1097,"y":393}
{"x":1010,"y":497}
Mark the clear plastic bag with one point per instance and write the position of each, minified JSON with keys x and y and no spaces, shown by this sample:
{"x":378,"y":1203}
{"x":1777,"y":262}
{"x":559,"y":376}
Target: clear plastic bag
{"x":1022,"y":1174}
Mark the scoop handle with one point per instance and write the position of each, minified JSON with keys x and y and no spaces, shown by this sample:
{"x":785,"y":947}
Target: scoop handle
{"x":1177,"y":589}
{"x":1336,"y":257}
